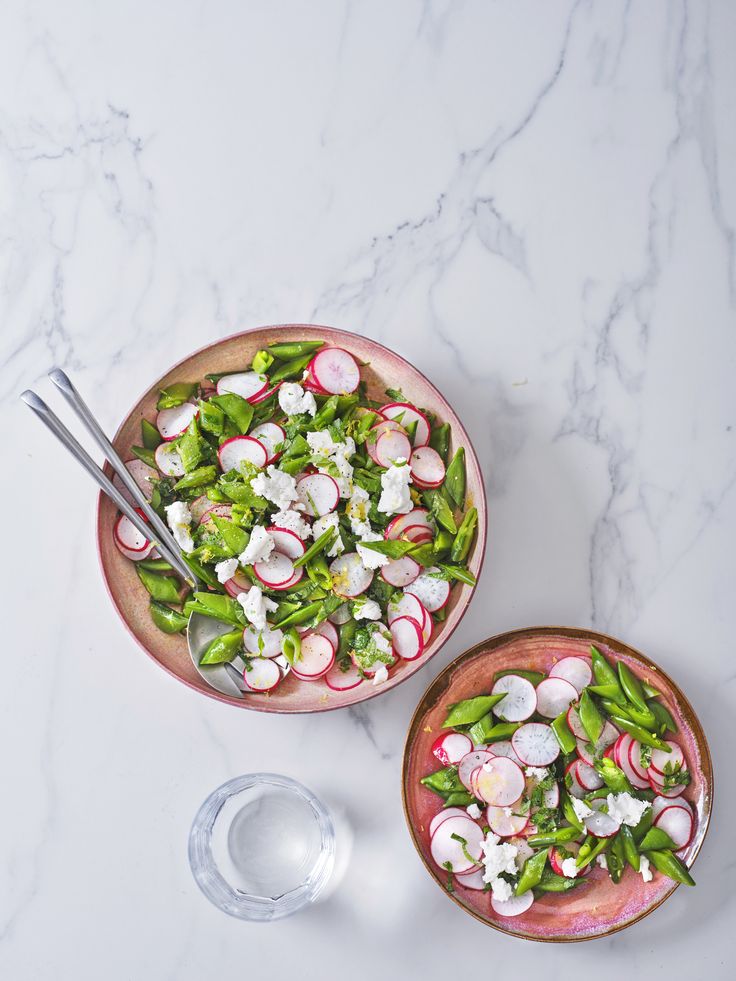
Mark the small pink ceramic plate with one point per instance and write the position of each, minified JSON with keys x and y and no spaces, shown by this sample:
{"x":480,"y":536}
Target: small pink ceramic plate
{"x":597,"y":907}
{"x":383,"y":369}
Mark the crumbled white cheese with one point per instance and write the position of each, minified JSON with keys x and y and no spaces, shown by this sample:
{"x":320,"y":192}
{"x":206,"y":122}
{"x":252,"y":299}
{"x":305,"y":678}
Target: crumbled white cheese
{"x":625,"y":809}
{"x":497,"y":857}
{"x":602,"y":861}
{"x":321,"y":525}
{"x":179,"y":519}
{"x":502,"y":890}
{"x":357,"y":510}
{"x":338,"y":464}
{"x":292,"y":521}
{"x":294,"y":400}
{"x":644,"y":870}
{"x":395,"y":497}
{"x":381,"y":675}
{"x":258,"y":548}
{"x":366,"y":609}
{"x":508,"y":812}
{"x":582,"y":811}
{"x":256,"y":606}
{"x":226,"y":569}
{"x":537,"y":772}
{"x":276,"y":486}
{"x":383,"y":644}
{"x":569,"y":868}
{"x":473,"y":811}
{"x":369,"y":557}
{"x":321,"y":442}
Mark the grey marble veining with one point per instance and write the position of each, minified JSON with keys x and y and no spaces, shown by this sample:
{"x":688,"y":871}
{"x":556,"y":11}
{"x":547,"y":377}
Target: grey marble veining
{"x":535,"y":203}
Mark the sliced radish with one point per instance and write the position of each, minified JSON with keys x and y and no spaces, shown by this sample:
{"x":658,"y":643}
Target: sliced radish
{"x":168,"y":460}
{"x":328,"y":630}
{"x":504,"y":748}
{"x":660,"y":759}
{"x":417,"y":516}
{"x":576,"y":670}
{"x":555,"y":695}
{"x":520,"y":698}
{"x":266,"y":643}
{"x":601,"y":825}
{"x":310,"y":385}
{"x":319,"y":494}
{"x":150,"y":552}
{"x":407,"y":639}
{"x":450,"y":747}
{"x":316,"y":658}
{"x":247,"y":384}
{"x":375,"y":433}
{"x":427,"y":467}
{"x":335,"y":371}
{"x":624,"y":762}
{"x":500,"y":782}
{"x":392,"y":447}
{"x":173,"y":422}
{"x":471,"y":880}
{"x":558,"y":855}
{"x":142,"y":474}
{"x":417,"y":534}
{"x":265,"y":394}
{"x":471,"y":762}
{"x":514,"y":906}
{"x":588,"y":776}
{"x":199,"y":507}
{"x":574,"y":787}
{"x":448,"y":852}
{"x":239,"y":583}
{"x":400,"y":572}
{"x":678,"y":823}
{"x":272,"y":436}
{"x":127,"y":536}
{"x":576,"y":726}
{"x":635,"y":761}
{"x":339,"y":680}
{"x":505,"y":824}
{"x":262,"y":675}
{"x":241,"y":449}
{"x":441,"y":816}
{"x":275,"y":571}
{"x":216,"y":511}
{"x":660,"y":803}
{"x":349,"y":576}
{"x":535,"y":744}
{"x":407,"y":414}
{"x":431,"y":592}
{"x":287,"y":542}
{"x":404,"y":605}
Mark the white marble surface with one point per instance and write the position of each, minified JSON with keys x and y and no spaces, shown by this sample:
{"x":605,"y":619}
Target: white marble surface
{"x":533,"y":201}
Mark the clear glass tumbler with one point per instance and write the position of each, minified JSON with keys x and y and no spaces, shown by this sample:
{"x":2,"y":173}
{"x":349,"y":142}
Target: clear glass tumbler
{"x":262,"y":846}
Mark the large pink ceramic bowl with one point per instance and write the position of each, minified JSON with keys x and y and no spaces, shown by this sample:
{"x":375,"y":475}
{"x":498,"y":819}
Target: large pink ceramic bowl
{"x":597,"y":907}
{"x":383,"y":369}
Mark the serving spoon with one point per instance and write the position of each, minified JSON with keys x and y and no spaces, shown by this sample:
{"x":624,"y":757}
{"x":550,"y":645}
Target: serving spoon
{"x":201,"y":630}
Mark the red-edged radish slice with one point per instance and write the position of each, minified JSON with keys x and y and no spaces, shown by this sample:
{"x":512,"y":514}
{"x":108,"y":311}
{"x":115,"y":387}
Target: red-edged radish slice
{"x":606,"y":741}
{"x":404,"y":605}
{"x":504,"y":748}
{"x":266,"y":642}
{"x":635,"y":761}
{"x":661,"y":760}
{"x":262,"y":675}
{"x":265,"y":394}
{"x":349,"y":576}
{"x":445,"y":847}
{"x":450,"y":747}
{"x":247,"y":384}
{"x":441,"y":816}
{"x":310,"y":385}
{"x":287,"y":542}
{"x":239,"y":583}
{"x":576,"y":670}
{"x":500,"y":782}
{"x":127,"y":536}
{"x":660,"y":803}
{"x":319,"y":494}
{"x":417,"y":534}
{"x":535,"y":743}
{"x":400,"y":572}
{"x":328,"y":630}
{"x":520,"y":701}
{"x":272,"y":436}
{"x":168,"y":460}
{"x":142,"y":474}
{"x":341,"y":615}
{"x":406,"y":414}
{"x":241,"y":449}
{"x":558,"y":855}
{"x":217,"y":511}
{"x":624,"y":762}
{"x":514,"y":906}
{"x":297,"y":577}
{"x":199,"y":507}
{"x":554,"y":696}
{"x":275,"y":571}
{"x":427,"y":467}
{"x":407,"y":639}
{"x":418,"y":516}
{"x":576,"y":726}
{"x":672,"y":792}
{"x":316,"y":658}
{"x":575,"y":788}
{"x":471,"y":880}
{"x":339,"y":680}
{"x":432,"y":593}
{"x":601,"y":825}
{"x":173,"y":422}
{"x":149,"y":552}
{"x":678,"y":823}
{"x":335,"y":371}
{"x":471,"y":762}
{"x":503,"y":824}
{"x":392,"y":447}
{"x":588,"y":776}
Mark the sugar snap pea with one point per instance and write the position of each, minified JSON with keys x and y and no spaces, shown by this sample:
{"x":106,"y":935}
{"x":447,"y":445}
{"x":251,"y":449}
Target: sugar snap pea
{"x":631,"y":852}
{"x":533,"y":676}
{"x":455,"y":477}
{"x":613,"y":777}
{"x":532,"y":871}
{"x":464,"y":537}
{"x":565,"y":736}
{"x":551,"y":882}
{"x":223,"y":648}
{"x":166,"y":619}
{"x":487,"y":730}
{"x":317,"y":547}
{"x":165,"y":589}
{"x":631,"y":686}
{"x":558,"y":837}
{"x":656,"y":839}
{"x":670,"y":865}
{"x":639,"y":733}
{"x":603,"y":673}
{"x":176,"y":394}
{"x":294,"y":349}
{"x":144,"y":454}
{"x":470,"y":710}
{"x":439,"y":440}
{"x":290,"y":369}
{"x":197,"y":478}
{"x":262,"y":361}
{"x":236,"y":409}
{"x":616,"y":860}
{"x":590,"y":718}
{"x":663,"y":718}
{"x":150,"y":436}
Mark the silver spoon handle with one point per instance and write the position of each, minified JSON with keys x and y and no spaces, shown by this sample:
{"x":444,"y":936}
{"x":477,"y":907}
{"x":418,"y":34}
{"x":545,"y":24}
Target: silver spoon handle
{"x":75,"y":400}
{"x":57,"y":427}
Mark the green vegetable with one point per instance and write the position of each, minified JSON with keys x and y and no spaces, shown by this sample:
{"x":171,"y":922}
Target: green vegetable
{"x":616,"y":859}
{"x":458,"y":572}
{"x":569,"y":812}
{"x":319,"y":573}
{"x":324,"y":541}
{"x":459,"y":798}
{"x":235,"y":538}
{"x":455,"y":478}
{"x":631,"y":852}
{"x":439,"y":440}
{"x":211,"y":418}
{"x":639,"y":832}
{"x":291,"y":646}
{"x":533,"y":676}
{"x":294,"y":349}
{"x":611,"y":693}
{"x":440,"y":510}
{"x":663,"y":719}
{"x":150,"y":436}
{"x":470,"y":710}
{"x":165,"y":589}
{"x":590,"y":718}
{"x":670,"y":865}
{"x":326,"y":414}
{"x":301,"y":615}
{"x":237,"y":409}
{"x":639,"y":733}
{"x":553,"y":837}
{"x":551,"y":882}
{"x":656,"y":839}
{"x":587,"y":854}
{"x":262,"y":362}
{"x":216,"y":605}
{"x":487,"y":730}
{"x":155,"y":565}
{"x":531,"y":874}
{"x":631,"y":686}
{"x":613,"y":777}
{"x":345,"y":643}
{"x":393,"y":548}
{"x":223,"y":648}
{"x":604,"y":674}
{"x":166,"y":619}
{"x":464,"y":537}
{"x":290,"y":369}
{"x":444,"y":781}
{"x":197,"y":478}
{"x":144,"y":454}
{"x":176,"y":394}
{"x":565,"y":736}
{"x":649,"y":691}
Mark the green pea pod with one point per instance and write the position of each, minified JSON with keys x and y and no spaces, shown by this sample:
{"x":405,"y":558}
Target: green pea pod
{"x":223,"y":648}
{"x":318,"y":572}
{"x":294,"y":349}
{"x":176,"y":394}
{"x":464,"y":537}
{"x":211,"y":418}
{"x":457,"y":572}
{"x":558,"y":837}
{"x":562,"y":730}
{"x":424,"y":555}
{"x":345,"y":403}
{"x":166,"y":619}
{"x":631,"y":686}
{"x":656,"y":839}
{"x":487,"y":730}
{"x":570,"y":815}
{"x":531,"y":874}
{"x":216,"y":605}
{"x":603,"y":673}
{"x":616,"y":859}
{"x":326,"y":414}
{"x":236,"y":409}
{"x":439,"y":440}
{"x":583,"y":859}
{"x":459,"y":798}
{"x":301,"y":615}
{"x":534,"y":676}
{"x":664,"y":721}
{"x":197,"y":478}
{"x":440,"y":510}
{"x":290,"y":369}
{"x":165,"y":589}
{"x":205,"y":575}
{"x":393,"y":548}
{"x":590,"y":718}
{"x":345,"y":643}
{"x":144,"y":454}
{"x":670,"y":865}
{"x":317,"y":547}
{"x":642,"y":828}
{"x":649,"y":691}
{"x":235,"y":538}
{"x":631,"y":852}
{"x":442,"y":542}
{"x":470,"y":710}
{"x":155,"y":565}
{"x":444,"y":781}
{"x":150,"y":436}
{"x":613,"y":777}
{"x":291,"y":646}
{"x":611,"y":693}
{"x":551,"y":882}
{"x":455,"y":478}
{"x":294,"y":465}
{"x":261,"y":362}
{"x":639,"y":733}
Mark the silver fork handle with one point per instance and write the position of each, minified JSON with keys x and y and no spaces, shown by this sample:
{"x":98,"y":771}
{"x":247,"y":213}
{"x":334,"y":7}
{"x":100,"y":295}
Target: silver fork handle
{"x":57,"y":427}
{"x":79,"y":406}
